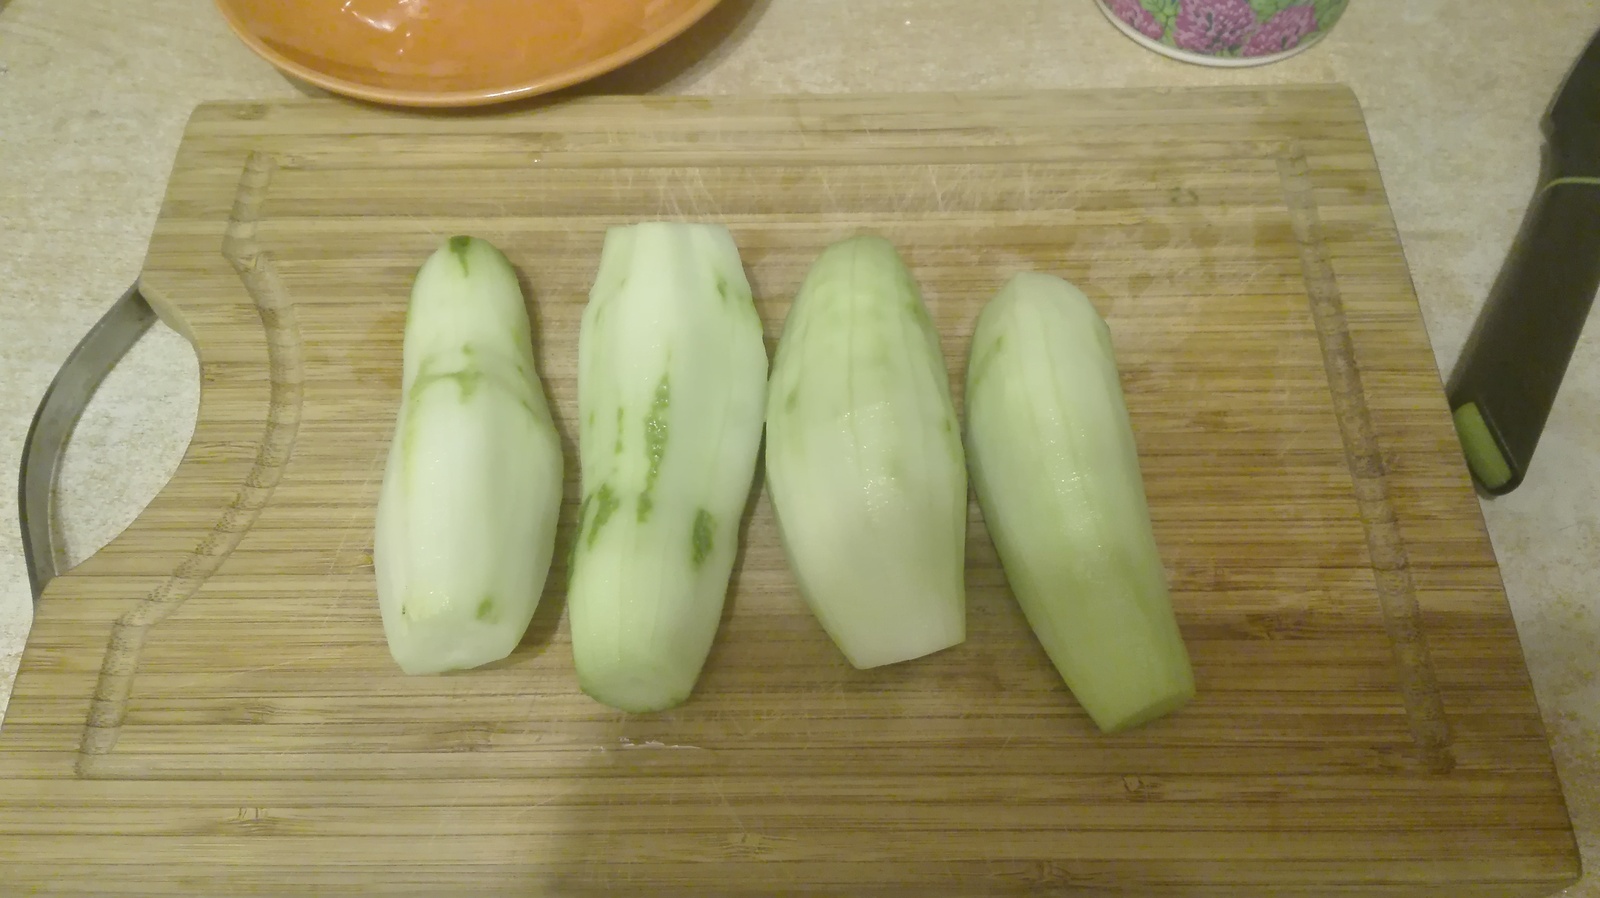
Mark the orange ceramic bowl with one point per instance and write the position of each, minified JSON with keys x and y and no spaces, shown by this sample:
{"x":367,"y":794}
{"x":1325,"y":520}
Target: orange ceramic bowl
{"x":455,"y":52}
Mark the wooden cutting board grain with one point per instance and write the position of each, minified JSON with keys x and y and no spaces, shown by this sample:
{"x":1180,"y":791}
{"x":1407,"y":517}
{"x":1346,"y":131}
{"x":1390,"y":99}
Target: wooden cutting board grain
{"x":208,"y":704}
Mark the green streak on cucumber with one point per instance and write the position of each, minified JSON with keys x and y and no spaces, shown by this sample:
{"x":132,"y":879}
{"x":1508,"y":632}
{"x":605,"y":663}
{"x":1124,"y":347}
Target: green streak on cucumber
{"x":655,"y":443}
{"x":704,"y":532}
{"x":460,"y":247}
{"x":605,"y":504}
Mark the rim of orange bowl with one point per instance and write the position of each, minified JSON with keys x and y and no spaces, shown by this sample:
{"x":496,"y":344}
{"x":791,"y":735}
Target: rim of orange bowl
{"x":446,"y":99}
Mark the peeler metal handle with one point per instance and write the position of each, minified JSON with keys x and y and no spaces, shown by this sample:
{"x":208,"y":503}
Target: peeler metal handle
{"x":85,"y":368}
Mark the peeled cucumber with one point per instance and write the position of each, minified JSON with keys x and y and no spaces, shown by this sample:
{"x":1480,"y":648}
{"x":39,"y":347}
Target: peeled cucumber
{"x":1057,"y":476}
{"x":672,"y":375}
{"x":864,"y":460}
{"x":466,"y":517}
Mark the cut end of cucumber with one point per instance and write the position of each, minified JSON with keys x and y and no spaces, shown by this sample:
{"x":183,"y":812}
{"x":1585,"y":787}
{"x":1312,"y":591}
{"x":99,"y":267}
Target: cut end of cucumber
{"x":443,"y":646}
{"x":864,"y":655}
{"x":1137,"y":716}
{"x":635,"y":688}
{"x":909,"y":624}
{"x":1482,"y":451}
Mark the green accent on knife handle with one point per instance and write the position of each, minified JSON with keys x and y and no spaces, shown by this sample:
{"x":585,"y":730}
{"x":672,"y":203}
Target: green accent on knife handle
{"x":1563,"y":182}
{"x":1512,"y":365}
{"x":1482,"y":449}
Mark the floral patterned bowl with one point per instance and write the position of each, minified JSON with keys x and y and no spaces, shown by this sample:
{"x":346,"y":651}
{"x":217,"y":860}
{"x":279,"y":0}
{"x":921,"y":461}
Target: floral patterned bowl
{"x":1225,"y":32}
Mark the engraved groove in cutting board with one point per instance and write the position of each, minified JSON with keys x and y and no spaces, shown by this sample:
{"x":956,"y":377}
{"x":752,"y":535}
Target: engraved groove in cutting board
{"x":1401,"y":614}
{"x":1392,"y":579}
{"x":255,"y":267}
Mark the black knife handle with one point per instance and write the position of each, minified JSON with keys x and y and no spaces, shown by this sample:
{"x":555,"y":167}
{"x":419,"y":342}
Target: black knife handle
{"x":1511,"y":367}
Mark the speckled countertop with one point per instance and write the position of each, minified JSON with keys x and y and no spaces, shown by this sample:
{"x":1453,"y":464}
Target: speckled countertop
{"x":94,"y":95}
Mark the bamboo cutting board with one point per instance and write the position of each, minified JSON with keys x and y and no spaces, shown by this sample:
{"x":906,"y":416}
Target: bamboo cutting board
{"x":207,"y":705}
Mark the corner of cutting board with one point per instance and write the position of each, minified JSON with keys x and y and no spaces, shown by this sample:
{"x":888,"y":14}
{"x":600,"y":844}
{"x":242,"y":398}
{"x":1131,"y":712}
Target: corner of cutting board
{"x":1347,"y":95}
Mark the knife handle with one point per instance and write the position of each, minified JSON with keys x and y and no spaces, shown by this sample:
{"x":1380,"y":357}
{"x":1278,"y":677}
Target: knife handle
{"x":1510,"y":370}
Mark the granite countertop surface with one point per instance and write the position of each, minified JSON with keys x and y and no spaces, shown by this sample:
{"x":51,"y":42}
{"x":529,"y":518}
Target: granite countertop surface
{"x":94,"y":95}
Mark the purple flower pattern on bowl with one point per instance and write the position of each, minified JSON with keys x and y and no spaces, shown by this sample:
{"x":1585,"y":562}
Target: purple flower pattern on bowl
{"x":1283,"y":31}
{"x":1228,"y":29}
{"x":1213,"y":26}
{"x":1141,"y":19}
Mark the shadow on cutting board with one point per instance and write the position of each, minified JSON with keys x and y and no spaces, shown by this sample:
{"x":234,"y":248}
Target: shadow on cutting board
{"x":705,"y":44}
{"x":547,"y":617}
